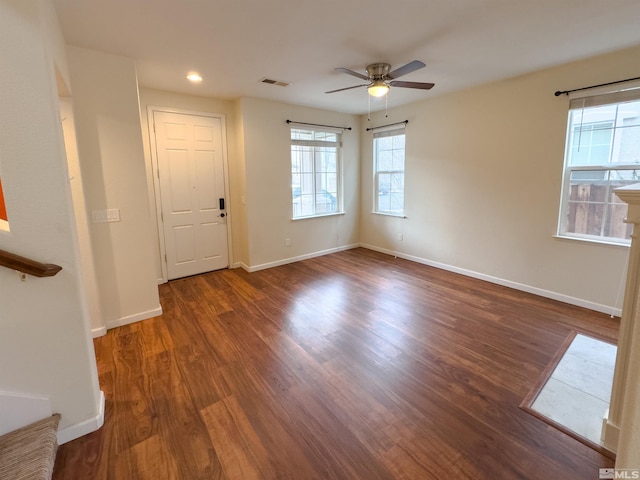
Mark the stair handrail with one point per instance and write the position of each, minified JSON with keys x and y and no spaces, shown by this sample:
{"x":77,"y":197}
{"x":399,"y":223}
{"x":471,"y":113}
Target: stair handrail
{"x":27,"y":265}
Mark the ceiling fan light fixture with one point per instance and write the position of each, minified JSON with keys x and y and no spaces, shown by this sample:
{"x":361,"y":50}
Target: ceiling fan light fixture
{"x":194,"y":77}
{"x":378,"y":89}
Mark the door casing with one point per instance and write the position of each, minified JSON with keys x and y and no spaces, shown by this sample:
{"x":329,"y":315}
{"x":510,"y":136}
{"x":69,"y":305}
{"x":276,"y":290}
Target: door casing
{"x":156,"y":184}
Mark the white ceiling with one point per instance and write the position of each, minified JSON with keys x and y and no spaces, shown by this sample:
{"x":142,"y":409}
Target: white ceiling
{"x":236,"y":43}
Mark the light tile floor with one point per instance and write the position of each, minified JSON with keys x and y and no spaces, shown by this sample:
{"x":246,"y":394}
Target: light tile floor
{"x":578,"y":392}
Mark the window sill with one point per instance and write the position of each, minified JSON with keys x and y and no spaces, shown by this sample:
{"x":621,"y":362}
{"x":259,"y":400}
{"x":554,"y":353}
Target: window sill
{"x":333,"y":214}
{"x":592,"y":241}
{"x":386,"y":214}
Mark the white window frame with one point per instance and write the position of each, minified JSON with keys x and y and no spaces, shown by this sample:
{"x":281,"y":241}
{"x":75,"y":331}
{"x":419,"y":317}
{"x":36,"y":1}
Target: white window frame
{"x":318,"y":143}
{"x":632,"y":93}
{"x":389,"y":132}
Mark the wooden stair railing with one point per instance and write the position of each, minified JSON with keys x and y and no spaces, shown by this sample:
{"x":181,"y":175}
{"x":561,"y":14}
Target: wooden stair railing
{"x":28,"y":266}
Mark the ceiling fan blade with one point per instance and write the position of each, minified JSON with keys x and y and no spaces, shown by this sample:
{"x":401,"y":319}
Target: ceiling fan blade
{"x":408,"y":68}
{"x":347,"y":88}
{"x":420,"y":85}
{"x":351,"y":72}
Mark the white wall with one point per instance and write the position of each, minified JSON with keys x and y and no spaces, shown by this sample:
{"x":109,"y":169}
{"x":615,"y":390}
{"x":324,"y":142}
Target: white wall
{"x":267,"y":159}
{"x":483,"y":178}
{"x":90,"y":289}
{"x":158,"y":98}
{"x":45,"y":343}
{"x":107,"y":117}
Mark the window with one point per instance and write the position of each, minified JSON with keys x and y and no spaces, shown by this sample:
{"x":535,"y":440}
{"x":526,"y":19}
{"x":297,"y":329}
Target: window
{"x":602,"y":154}
{"x":315,"y":172}
{"x":388,"y":170}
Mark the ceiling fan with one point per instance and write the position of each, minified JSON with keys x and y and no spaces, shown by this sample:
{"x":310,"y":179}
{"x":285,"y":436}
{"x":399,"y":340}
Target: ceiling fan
{"x":381,"y":79}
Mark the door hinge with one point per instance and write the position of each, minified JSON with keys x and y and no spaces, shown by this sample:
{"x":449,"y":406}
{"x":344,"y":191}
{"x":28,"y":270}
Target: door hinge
{"x":161,"y":217}
{"x":165,"y":258}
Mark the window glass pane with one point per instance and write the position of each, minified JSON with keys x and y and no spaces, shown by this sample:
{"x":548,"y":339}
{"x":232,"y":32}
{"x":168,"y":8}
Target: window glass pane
{"x":331,"y":183}
{"x":396,"y":202}
{"x":384,"y":183}
{"x":305,"y":205}
{"x":626,"y":144}
{"x":591,"y":144}
{"x":385,"y":143}
{"x":398,"y":160}
{"x":605,"y":134}
{"x":314,"y":172}
{"x":398,"y":142}
{"x":397,"y":182}
{"x":385,"y":160}
{"x":384,"y":202}
{"x":593,"y":209}
{"x":306,"y":183}
{"x":389,"y":162}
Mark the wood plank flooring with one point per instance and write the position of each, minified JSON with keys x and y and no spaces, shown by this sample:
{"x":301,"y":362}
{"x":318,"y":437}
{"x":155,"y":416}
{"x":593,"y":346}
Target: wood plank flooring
{"x":354,"y":365}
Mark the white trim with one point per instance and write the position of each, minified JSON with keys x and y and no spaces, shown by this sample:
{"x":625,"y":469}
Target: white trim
{"x":83,"y":428}
{"x":241,"y":265}
{"x":592,"y":241}
{"x":98,"y":332}
{"x":119,"y":322}
{"x":505,"y":283}
{"x":610,"y":433}
{"x":320,"y":215}
{"x":151,"y":109}
{"x":306,"y":256}
{"x":389,"y":214}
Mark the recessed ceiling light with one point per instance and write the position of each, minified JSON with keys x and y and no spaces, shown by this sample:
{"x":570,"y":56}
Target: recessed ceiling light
{"x":194,"y":77}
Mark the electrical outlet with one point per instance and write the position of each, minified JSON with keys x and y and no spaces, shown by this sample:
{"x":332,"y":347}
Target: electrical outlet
{"x":287,"y":242}
{"x":401,"y":237}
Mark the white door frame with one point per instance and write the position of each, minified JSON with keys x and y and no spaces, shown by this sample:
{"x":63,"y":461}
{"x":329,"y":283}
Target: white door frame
{"x":151,"y":109}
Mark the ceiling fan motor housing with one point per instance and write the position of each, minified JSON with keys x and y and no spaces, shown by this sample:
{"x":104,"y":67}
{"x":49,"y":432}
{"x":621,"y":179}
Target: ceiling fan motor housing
{"x":378,"y":71}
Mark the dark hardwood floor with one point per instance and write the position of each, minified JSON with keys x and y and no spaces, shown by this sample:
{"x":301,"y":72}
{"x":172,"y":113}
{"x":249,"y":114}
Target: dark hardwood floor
{"x":354,"y":365}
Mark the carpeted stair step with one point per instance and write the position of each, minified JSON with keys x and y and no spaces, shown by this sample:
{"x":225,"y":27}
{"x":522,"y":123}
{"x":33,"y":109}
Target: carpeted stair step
{"x":29,"y":452}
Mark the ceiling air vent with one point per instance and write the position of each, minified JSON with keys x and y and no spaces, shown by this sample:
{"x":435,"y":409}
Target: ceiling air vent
{"x":275,"y":82}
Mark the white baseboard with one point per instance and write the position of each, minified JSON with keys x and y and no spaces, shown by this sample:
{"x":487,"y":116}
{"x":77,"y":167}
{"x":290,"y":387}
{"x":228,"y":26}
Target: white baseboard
{"x":18,"y":410}
{"x":156,"y":312}
{"x":83,"y":428}
{"x":505,"y":283}
{"x":306,"y":256}
{"x":241,"y":265}
{"x":98,"y":332}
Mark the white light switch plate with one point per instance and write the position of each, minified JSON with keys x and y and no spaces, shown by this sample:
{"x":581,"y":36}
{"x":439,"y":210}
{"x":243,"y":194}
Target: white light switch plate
{"x":103,"y":216}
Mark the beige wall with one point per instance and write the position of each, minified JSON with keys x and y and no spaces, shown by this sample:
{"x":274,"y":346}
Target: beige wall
{"x":107,"y":118}
{"x":45,"y":343}
{"x":267,"y":158}
{"x":483,"y":178}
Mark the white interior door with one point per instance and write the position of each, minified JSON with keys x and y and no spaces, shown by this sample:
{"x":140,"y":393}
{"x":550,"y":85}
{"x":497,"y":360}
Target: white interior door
{"x":191,"y":178}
